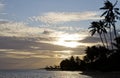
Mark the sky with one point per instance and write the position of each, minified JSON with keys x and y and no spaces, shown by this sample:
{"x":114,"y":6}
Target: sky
{"x":37,"y":33}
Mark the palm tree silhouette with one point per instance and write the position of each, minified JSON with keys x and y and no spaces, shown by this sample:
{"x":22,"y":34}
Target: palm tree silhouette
{"x":103,"y":31}
{"x":96,"y":27}
{"x":111,"y":16}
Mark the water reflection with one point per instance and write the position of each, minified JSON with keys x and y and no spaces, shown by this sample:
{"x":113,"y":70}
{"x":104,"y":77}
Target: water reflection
{"x":56,"y":74}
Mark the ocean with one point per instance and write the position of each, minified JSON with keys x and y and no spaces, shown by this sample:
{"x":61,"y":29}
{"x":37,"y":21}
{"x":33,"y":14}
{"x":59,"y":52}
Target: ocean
{"x":56,"y":74}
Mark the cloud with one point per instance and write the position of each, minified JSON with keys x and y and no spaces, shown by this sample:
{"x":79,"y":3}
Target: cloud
{"x":20,"y":42}
{"x":58,"y":17}
{"x":15,"y":43}
{"x":47,"y":32}
{"x":28,"y":48}
{"x":19,"y":29}
{"x":21,"y":37}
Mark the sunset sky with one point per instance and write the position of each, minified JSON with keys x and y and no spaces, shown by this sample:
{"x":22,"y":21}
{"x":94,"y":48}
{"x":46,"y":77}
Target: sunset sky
{"x":37,"y":33}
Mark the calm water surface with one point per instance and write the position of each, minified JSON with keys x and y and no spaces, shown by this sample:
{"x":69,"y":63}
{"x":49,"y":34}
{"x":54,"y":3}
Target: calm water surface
{"x":39,"y":74}
{"x":55,"y":74}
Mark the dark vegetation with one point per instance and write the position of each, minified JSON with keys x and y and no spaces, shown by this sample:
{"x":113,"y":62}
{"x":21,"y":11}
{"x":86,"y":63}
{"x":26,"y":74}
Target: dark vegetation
{"x":107,"y":56}
{"x":72,"y":64}
{"x":55,"y":67}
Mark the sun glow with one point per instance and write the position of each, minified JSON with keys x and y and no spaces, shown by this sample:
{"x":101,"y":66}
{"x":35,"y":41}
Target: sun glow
{"x":67,"y":44}
{"x":68,"y":40}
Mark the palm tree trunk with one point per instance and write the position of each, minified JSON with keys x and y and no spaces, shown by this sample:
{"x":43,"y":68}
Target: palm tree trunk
{"x":114,"y":28}
{"x":110,"y":36}
{"x":106,"y":40}
{"x":102,"y":40}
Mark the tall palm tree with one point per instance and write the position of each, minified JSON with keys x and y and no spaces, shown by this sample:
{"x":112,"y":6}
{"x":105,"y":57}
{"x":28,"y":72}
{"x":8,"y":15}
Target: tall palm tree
{"x":95,"y":27}
{"x":103,"y":31}
{"x":111,"y":15}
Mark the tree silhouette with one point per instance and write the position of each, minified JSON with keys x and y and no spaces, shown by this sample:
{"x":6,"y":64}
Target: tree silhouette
{"x":65,"y":64}
{"x":111,"y":15}
{"x":78,"y":61}
{"x":97,"y":27}
{"x":96,"y":56}
{"x":95,"y":52}
{"x":72,"y":64}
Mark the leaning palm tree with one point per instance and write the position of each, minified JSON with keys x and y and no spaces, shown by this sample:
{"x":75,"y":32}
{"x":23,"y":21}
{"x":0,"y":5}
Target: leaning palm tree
{"x":95,"y":27}
{"x":111,"y":15}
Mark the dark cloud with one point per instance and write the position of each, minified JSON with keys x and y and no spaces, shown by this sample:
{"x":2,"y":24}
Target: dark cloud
{"x":46,"y":38}
{"x":96,"y":38}
{"x":90,"y":39}
{"x":3,"y":22}
{"x":47,"y":32}
{"x":15,"y":43}
{"x":27,"y":44}
{"x":78,"y":50}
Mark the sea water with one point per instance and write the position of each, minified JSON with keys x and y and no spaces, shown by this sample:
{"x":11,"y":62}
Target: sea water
{"x":40,"y":74}
{"x":56,"y":74}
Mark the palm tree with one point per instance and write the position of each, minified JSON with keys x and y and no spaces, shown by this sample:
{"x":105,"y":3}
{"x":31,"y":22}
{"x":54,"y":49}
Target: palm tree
{"x":95,"y":27}
{"x":104,"y":31}
{"x":111,"y":15}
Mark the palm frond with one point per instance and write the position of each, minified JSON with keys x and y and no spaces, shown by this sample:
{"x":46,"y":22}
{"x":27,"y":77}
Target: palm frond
{"x":103,"y":8}
{"x":90,"y":27}
{"x":117,"y":17}
{"x":117,"y":12}
{"x":93,"y":32}
{"x":116,"y":9}
{"x":115,"y":3}
{"x":104,"y":30}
